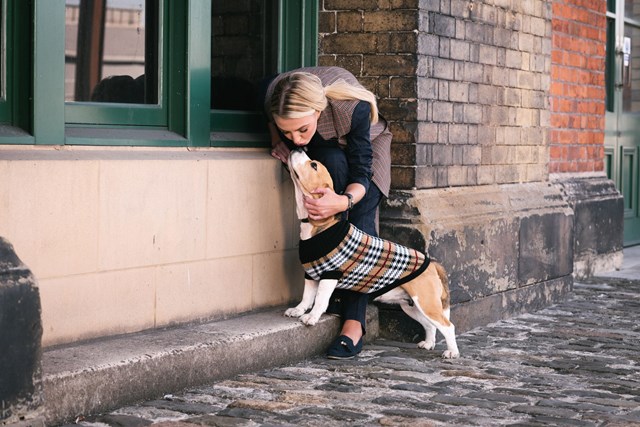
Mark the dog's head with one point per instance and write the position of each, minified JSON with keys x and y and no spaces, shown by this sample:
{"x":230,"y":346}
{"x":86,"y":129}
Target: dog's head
{"x":307,"y":175}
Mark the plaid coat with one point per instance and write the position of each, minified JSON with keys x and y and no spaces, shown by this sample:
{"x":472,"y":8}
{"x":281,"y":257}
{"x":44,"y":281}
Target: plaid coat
{"x":360,"y":262}
{"x":335,"y":122}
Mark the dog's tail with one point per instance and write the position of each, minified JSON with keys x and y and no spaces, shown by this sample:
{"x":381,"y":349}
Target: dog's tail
{"x":442,"y":274}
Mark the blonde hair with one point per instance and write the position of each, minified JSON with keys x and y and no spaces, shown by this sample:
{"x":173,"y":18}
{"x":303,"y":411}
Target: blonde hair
{"x":300,"y":93}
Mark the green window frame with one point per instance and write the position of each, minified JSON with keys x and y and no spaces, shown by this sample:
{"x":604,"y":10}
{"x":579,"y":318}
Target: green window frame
{"x":297,"y":47}
{"x":139,"y":114}
{"x":43,"y":117}
{"x":14,"y":110}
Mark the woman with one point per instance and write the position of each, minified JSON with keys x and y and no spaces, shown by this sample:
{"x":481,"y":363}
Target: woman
{"x":327,"y":111}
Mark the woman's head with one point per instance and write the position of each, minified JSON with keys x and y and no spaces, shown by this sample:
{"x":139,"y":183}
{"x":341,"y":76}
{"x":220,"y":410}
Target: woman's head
{"x":297,"y":95}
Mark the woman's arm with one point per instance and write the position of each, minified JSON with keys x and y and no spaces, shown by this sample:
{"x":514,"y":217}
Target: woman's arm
{"x":359,"y":157}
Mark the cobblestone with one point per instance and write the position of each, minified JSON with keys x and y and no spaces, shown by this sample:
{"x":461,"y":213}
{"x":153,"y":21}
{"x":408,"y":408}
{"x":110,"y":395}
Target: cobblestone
{"x":573,"y":364}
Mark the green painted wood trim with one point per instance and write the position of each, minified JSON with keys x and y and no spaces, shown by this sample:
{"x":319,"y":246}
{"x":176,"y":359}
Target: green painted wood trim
{"x":135,"y":114}
{"x":199,"y":73}
{"x":7,"y":36}
{"x":48,"y":72}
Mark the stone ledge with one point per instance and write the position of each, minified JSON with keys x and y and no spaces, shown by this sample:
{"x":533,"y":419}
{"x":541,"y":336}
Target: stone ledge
{"x":95,"y":376}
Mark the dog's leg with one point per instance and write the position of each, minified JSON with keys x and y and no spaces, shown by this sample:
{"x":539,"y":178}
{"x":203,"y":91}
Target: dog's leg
{"x":308,"y":295}
{"x":325,"y":289}
{"x":446,"y":328}
{"x":416,"y":314}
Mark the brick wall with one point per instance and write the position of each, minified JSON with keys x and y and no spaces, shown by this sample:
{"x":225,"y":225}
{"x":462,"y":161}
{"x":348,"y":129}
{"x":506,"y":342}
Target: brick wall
{"x":463,"y":84}
{"x":577,"y":86}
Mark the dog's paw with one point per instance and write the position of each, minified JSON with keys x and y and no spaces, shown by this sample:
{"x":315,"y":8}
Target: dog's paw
{"x":294,"y":312}
{"x":450,"y":354}
{"x":427,"y":345}
{"x":309,"y":319}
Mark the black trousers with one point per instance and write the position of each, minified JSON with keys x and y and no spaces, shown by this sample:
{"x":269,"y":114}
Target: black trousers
{"x":349,"y":305}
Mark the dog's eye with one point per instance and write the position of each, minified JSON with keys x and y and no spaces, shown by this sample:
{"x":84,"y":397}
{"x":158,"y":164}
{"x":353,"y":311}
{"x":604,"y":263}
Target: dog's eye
{"x":314,"y":165}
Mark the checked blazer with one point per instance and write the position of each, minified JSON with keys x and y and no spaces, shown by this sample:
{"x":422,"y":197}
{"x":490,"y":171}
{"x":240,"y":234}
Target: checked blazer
{"x":359,"y":262}
{"x":335,"y":122}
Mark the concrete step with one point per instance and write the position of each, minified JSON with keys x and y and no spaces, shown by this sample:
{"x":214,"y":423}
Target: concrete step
{"x":96,"y":376}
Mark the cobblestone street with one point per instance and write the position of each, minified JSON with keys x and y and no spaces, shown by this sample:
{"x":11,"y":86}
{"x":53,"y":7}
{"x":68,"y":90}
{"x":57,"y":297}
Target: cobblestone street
{"x":577,"y":363}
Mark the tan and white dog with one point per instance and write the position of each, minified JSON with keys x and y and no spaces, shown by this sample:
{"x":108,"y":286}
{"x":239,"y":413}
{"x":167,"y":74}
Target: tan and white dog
{"x":424,"y":296}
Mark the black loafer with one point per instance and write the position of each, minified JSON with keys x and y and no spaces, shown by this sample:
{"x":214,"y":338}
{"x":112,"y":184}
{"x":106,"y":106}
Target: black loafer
{"x":343,"y":348}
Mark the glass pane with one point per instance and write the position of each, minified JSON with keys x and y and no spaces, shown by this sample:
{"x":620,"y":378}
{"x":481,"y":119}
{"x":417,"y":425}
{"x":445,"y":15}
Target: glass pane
{"x":610,"y":65}
{"x":631,"y":74}
{"x":111,"y":51}
{"x":243,"y":51}
{"x":631,"y":9}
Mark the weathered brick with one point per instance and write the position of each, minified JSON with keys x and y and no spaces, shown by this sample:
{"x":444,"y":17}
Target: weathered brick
{"x":427,"y":88}
{"x":513,"y":59}
{"x":458,"y":133}
{"x":350,"y":4}
{"x":473,"y":73}
{"x":350,"y":43}
{"x":426,"y":177}
{"x":443,"y":25}
{"x":428,"y":44}
{"x":442,"y":112}
{"x":472,"y":155}
{"x":443,"y":68}
{"x":402,"y":87}
{"x":458,"y":92}
{"x":458,"y":113}
{"x":503,"y":37}
{"x":403,"y":154}
{"x":403,"y":177}
{"x":480,"y":33}
{"x":394,"y":20}
{"x":427,"y":132}
{"x":404,"y":110}
{"x":327,"y":22}
{"x":459,"y":50}
{"x":512,"y":97}
{"x":389,"y":65}
{"x":443,"y":90}
{"x":442,"y":155}
{"x":460,"y":8}
{"x":405,"y":42}
{"x":349,"y":22}
{"x":486,"y":175}
{"x":403,"y":133}
{"x":473,"y":113}
{"x":444,"y":47}
{"x":488,"y":55}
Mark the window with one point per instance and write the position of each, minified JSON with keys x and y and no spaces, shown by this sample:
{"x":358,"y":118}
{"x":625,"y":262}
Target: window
{"x":113,"y":52}
{"x":145,"y":72}
{"x":253,"y":40}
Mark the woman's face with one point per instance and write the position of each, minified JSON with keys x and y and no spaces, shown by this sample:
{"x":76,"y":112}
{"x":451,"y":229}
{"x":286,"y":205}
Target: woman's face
{"x":299,"y":130}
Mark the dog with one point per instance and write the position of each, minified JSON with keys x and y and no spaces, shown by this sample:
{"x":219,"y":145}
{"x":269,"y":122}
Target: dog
{"x":419,"y":285}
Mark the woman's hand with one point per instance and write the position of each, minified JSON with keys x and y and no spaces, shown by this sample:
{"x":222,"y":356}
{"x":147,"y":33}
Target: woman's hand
{"x":326,"y":206}
{"x":280,"y":151}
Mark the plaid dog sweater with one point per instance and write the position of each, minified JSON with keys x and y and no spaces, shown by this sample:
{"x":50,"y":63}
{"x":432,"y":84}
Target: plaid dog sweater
{"x":359,"y":261}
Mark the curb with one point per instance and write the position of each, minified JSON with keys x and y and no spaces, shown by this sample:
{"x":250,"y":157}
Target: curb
{"x":96,"y":376}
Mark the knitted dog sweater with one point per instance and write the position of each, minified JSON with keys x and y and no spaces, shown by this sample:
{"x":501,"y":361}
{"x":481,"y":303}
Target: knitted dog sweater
{"x":359,"y":261}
